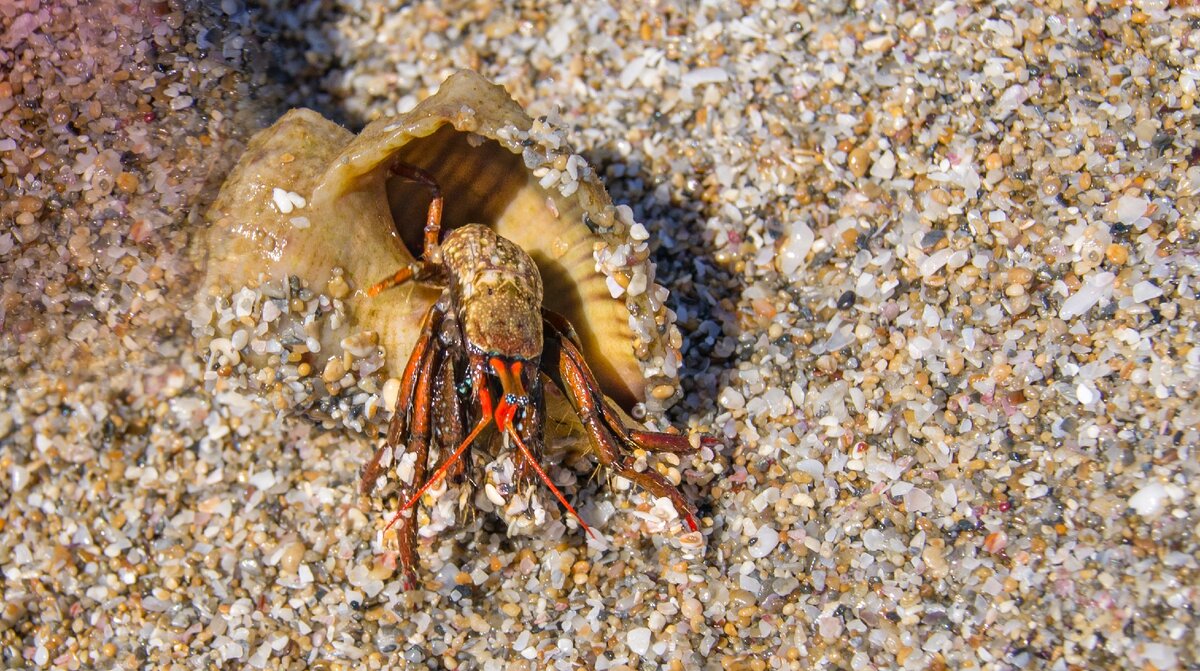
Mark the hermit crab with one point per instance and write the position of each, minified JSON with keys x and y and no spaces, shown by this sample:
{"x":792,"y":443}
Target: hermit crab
{"x":503,"y":286}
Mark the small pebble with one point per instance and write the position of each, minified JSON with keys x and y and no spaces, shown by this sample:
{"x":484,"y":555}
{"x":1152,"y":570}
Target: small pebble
{"x":638,"y":640}
{"x":127,"y":182}
{"x":1117,"y":254}
{"x":391,"y":392}
{"x":662,"y":391}
{"x":1145,"y":290}
{"x":338,"y":288}
{"x":764,"y":542}
{"x":859,"y":161}
{"x":1149,"y":500}
{"x":334,"y":371}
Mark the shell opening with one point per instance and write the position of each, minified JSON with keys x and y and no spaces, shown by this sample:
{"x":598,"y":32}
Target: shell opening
{"x":483,"y":182}
{"x":479,"y":180}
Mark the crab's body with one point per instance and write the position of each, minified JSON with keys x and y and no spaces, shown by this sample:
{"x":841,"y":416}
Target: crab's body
{"x":497,"y":291}
{"x":484,"y":347}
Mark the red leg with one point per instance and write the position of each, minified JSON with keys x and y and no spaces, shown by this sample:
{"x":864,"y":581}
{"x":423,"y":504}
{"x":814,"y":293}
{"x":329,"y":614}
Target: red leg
{"x":532,"y":460}
{"x":400,"y":414}
{"x":527,"y":434}
{"x":651,"y":441}
{"x":485,"y":405}
{"x":447,"y":463}
{"x":419,"y":437}
{"x":450,"y":427}
{"x":563,"y":363}
{"x":531,"y":429}
{"x":410,"y":430}
{"x":403,"y":275}
{"x":433,"y":221}
{"x":428,"y":267}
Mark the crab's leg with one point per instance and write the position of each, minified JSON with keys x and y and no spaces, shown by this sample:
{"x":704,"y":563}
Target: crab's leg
{"x":449,"y":411}
{"x":651,"y":441}
{"x":447,"y":463}
{"x":408,"y":386}
{"x":428,"y":267}
{"x":403,"y":275}
{"x":419,"y":436}
{"x":562,"y":363}
{"x":531,"y":459}
{"x":527,"y":431}
{"x":531,"y":428}
{"x":411,"y":428}
{"x":433,"y":221}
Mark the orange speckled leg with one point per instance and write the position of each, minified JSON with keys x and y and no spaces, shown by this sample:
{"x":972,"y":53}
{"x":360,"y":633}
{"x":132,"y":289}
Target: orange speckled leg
{"x":563,"y":363}
{"x":410,"y":431}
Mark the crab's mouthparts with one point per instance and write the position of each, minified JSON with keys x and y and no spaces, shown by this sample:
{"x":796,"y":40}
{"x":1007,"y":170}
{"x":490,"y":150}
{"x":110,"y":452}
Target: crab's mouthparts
{"x":513,"y":395}
{"x":512,"y":399}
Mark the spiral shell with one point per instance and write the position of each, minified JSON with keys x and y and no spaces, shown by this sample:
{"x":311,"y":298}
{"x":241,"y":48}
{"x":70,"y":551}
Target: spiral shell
{"x":310,"y":200}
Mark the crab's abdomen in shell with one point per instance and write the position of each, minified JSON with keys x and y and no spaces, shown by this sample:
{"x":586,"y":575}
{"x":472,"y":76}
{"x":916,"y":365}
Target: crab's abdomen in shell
{"x":345,"y":210}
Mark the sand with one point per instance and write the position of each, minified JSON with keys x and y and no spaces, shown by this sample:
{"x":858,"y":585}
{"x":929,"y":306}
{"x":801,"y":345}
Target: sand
{"x":934,"y":268}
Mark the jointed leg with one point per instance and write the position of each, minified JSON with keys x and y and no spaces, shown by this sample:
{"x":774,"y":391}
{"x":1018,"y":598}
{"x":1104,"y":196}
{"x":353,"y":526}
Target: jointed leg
{"x":448,"y":409}
{"x":403,"y":275}
{"x":531,"y":428}
{"x":411,"y":423}
{"x":563,"y":363}
{"x":410,"y":431}
{"x":419,"y":436}
{"x":404,"y":401}
{"x":527,"y":434}
{"x":433,"y":221}
{"x":652,"y":441}
{"x":658,"y":485}
{"x":530,"y":458}
{"x":520,"y":394}
{"x":449,"y":461}
{"x":427,"y":267}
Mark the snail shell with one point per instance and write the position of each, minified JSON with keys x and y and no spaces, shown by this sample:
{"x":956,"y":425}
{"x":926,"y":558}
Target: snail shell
{"x":309,"y":197}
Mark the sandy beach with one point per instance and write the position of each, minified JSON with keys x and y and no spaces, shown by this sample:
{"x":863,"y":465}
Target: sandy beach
{"x":934,"y":267}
